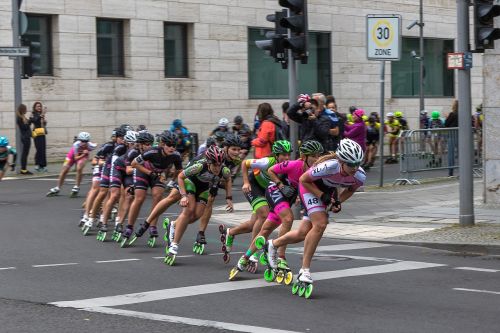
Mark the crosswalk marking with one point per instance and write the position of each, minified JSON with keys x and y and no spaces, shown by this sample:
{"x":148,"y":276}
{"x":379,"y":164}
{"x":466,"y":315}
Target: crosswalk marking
{"x":164,"y":294}
{"x":187,"y":321}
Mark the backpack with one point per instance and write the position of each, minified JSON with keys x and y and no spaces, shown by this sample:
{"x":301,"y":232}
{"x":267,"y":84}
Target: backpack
{"x":279,"y":133}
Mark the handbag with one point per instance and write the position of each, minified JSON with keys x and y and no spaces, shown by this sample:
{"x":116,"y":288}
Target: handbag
{"x":38,"y":132}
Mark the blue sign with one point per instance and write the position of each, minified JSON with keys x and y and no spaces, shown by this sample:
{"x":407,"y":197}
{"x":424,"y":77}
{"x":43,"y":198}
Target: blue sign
{"x":467,"y":60}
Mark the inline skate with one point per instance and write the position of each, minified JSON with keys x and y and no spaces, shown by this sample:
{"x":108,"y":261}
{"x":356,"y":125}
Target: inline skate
{"x":171,"y":253}
{"x":126,"y":235}
{"x":304,"y":284}
{"x":53,"y":192}
{"x":153,"y":235}
{"x":199,"y":244}
{"x":139,"y":232}
{"x":87,"y":226}
{"x":284,"y":273}
{"x":74,"y":192}
{"x":227,"y":242}
{"x":240,"y":267}
{"x":101,"y":234}
{"x":117,"y":233}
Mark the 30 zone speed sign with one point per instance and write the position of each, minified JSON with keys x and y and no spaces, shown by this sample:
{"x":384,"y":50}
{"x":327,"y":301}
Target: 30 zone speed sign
{"x":383,"y":37}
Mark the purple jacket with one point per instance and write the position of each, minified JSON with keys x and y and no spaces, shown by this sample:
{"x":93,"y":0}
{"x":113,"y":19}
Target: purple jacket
{"x":357,"y":133}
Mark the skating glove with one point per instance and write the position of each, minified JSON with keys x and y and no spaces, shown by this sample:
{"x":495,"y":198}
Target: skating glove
{"x":326,"y":198}
{"x":213,"y":190}
{"x":288,"y":191}
{"x":336,"y":206}
{"x":131,"y":190}
{"x":154,"y":176}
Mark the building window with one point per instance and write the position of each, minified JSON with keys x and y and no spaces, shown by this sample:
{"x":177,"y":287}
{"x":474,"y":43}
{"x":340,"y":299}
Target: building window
{"x":110,"y":47}
{"x":266,"y":78}
{"x":175,"y":48}
{"x":438,"y":79}
{"x":39,"y":34}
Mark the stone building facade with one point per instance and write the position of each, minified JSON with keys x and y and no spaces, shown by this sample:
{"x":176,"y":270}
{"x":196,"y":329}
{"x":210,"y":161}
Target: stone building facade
{"x":217,"y":82}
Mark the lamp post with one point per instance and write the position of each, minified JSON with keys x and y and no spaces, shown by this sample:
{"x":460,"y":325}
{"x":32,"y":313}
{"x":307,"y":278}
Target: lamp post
{"x":420,"y":57}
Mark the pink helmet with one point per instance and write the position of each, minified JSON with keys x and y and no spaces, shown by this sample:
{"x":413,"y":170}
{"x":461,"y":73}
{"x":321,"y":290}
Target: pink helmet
{"x":215,"y":155}
{"x":359,"y":113}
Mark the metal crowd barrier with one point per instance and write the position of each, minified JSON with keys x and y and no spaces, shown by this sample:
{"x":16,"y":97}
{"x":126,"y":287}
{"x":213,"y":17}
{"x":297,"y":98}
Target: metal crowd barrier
{"x":432,"y":149}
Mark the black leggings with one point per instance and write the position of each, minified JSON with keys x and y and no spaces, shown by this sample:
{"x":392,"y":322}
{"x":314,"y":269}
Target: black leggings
{"x":40,"y":156}
{"x":26,"y":142}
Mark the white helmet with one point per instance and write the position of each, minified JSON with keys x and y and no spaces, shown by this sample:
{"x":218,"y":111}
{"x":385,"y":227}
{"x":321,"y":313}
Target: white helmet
{"x":130,"y":137}
{"x":223,"y":122}
{"x":350,"y":151}
{"x":83,"y":136}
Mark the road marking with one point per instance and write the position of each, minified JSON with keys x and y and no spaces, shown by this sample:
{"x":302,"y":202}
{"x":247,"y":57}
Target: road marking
{"x":184,"y":320}
{"x":345,"y":247}
{"x":478,"y":269}
{"x":478,"y":291}
{"x":163,"y":294}
{"x":6,"y":268}
{"x":53,"y":265}
{"x":192,"y":255}
{"x":117,"y":260}
{"x":319,"y":255}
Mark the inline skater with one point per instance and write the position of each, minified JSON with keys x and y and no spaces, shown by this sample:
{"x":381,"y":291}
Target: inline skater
{"x":118,"y":150}
{"x":318,"y":194}
{"x":117,"y":181}
{"x":281,"y":195}
{"x":223,"y":126}
{"x":254,"y":187}
{"x":5,"y":151}
{"x":151,"y":167}
{"x":195,"y":183}
{"x":78,"y":154}
{"x":98,"y":162}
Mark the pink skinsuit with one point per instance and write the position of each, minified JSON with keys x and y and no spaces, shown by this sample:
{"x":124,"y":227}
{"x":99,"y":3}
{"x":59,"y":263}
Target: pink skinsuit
{"x":293,"y":171}
{"x":326,"y":176}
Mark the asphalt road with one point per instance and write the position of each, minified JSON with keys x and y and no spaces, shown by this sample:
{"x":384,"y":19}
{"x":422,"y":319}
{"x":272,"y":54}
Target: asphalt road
{"x":54,"y":279}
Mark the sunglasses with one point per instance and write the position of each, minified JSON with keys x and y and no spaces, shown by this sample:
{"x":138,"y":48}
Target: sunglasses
{"x":170,"y":145}
{"x":353,"y":165}
{"x":84,"y":141}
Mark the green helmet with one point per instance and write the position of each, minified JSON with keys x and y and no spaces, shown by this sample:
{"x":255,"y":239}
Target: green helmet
{"x":282,"y":147}
{"x":398,"y":114}
{"x":435,"y":115}
{"x":311,"y":147}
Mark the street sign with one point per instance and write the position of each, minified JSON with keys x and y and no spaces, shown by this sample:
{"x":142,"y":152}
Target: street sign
{"x":14,"y":51}
{"x":456,"y":60}
{"x":383,"y":35}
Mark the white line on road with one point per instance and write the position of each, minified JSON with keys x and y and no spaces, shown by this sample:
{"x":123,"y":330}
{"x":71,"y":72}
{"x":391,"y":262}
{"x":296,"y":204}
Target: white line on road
{"x":184,"y":320}
{"x":344,"y":247}
{"x":6,"y":268}
{"x":192,"y":255}
{"x":53,"y":265}
{"x":478,"y":269}
{"x":117,"y":260}
{"x":163,"y":294}
{"x":478,"y":291}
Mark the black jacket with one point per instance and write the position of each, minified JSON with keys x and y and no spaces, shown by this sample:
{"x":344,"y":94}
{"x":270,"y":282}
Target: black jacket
{"x":317,"y":129}
{"x":451,"y":120}
{"x":25,"y":129}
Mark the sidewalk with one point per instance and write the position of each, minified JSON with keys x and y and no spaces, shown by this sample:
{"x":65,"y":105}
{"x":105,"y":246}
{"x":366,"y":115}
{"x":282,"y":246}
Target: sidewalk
{"x":413,"y":214}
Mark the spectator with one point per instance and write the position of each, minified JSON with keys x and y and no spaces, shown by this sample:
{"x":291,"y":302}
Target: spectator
{"x":357,"y":131}
{"x":266,"y":134}
{"x":39,"y":133}
{"x":341,"y":119}
{"x":452,"y":121}
{"x":25,"y":130}
{"x":478,"y":129}
{"x":316,"y":123}
{"x":372,"y":140}
{"x":183,"y":145}
{"x":402,"y":120}
{"x":239,"y":125}
{"x":436,"y":139}
{"x":285,"y":121}
{"x":393,"y":128}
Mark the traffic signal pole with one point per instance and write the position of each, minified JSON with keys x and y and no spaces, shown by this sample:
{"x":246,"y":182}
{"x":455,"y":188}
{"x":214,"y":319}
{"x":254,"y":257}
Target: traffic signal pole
{"x":465,"y":142}
{"x":18,"y":95}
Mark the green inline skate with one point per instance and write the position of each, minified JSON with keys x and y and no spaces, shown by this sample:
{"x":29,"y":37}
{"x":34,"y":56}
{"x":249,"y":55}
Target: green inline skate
{"x":101,"y":234}
{"x":171,"y":253}
{"x":304,"y":284}
{"x":199,"y":244}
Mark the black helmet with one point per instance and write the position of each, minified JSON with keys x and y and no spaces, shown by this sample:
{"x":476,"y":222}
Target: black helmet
{"x":232,"y":140}
{"x":145,"y":137}
{"x":238,"y":120}
{"x":141,"y":128}
{"x":119,"y":132}
{"x":219,"y":136}
{"x":126,"y":127}
{"x":168,"y":138}
{"x":211,"y":141}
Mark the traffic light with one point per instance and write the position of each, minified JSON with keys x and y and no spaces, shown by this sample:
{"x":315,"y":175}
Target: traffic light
{"x":484,"y":31}
{"x":297,"y":23}
{"x":274,"y":45}
{"x":31,"y":63}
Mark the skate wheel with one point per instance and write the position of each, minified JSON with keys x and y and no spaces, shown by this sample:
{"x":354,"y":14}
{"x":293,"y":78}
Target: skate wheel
{"x":280,"y":277}
{"x":223,"y":238}
{"x":171,"y":260}
{"x":152,"y":241}
{"x":309,"y":290}
{"x":252,"y":268}
{"x":263,"y":259}
{"x":269,"y":275}
{"x":224,"y":248}
{"x":260,"y":242}
{"x":226,"y":258}
{"x":288,"y":278}
{"x":302,"y":290}
{"x":232,"y":274}
{"x":295,"y":288}
{"x":86,"y":230}
{"x":222,"y":228}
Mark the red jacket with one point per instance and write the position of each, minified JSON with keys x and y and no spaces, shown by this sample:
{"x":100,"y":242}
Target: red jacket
{"x":265,"y":139}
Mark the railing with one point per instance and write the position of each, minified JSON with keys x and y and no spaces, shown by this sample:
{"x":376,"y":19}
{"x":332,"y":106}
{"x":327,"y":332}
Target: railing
{"x":432,"y":149}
